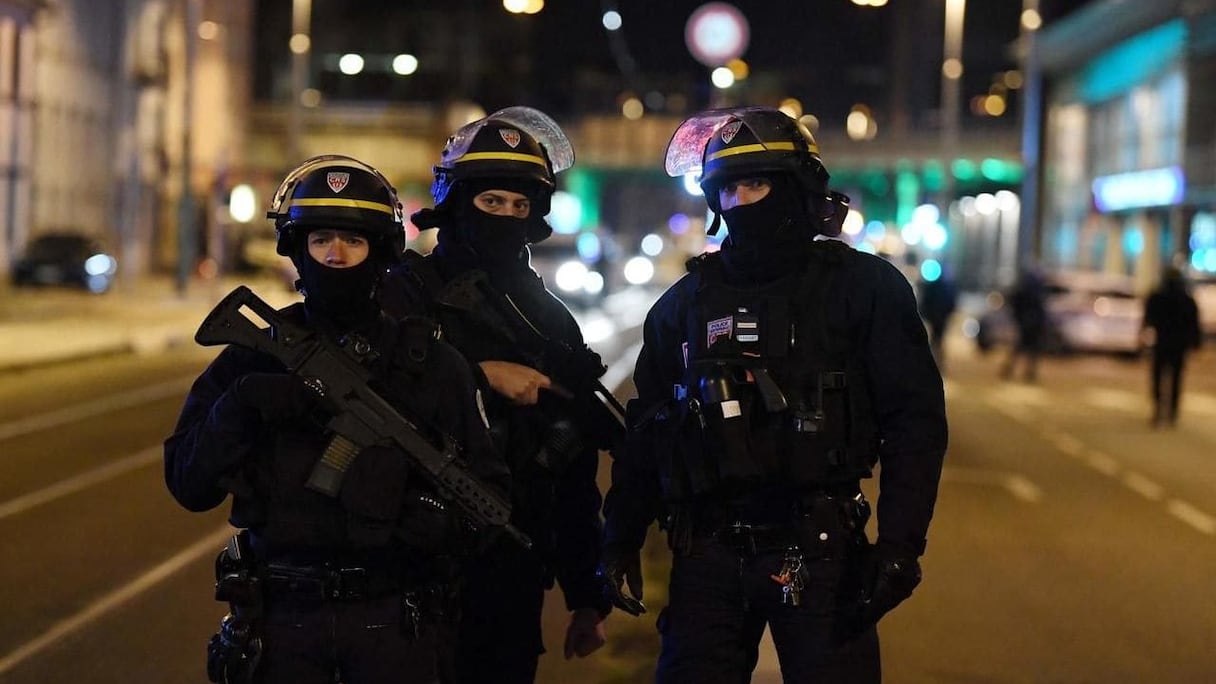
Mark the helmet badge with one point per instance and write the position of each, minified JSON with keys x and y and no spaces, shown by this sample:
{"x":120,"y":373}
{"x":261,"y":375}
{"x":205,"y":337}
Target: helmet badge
{"x":729,"y":131}
{"x":510,"y":136}
{"x":337,"y":180}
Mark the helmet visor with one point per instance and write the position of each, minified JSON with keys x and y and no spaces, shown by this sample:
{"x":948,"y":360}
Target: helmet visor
{"x":531,"y":121}
{"x":687,"y":144}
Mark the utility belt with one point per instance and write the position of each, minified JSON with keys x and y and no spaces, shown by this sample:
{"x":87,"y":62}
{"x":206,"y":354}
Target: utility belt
{"x":251,"y":586}
{"x":823,"y":524}
{"x":319,"y":583}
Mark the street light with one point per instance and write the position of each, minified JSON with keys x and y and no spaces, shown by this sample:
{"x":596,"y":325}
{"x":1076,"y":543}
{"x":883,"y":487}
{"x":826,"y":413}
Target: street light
{"x":952,"y":74}
{"x":1032,"y":114}
{"x":300,"y":44}
{"x":186,"y":224}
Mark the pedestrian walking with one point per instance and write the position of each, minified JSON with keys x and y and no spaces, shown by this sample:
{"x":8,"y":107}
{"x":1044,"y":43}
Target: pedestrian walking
{"x":773,"y":377}
{"x":349,"y":583}
{"x":938,"y":300}
{"x":1172,"y":316}
{"x":492,"y":190}
{"x":1027,"y":304}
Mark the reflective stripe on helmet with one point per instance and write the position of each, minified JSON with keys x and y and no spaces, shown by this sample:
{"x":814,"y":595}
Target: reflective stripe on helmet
{"x":745,"y":149}
{"x":502,"y":156}
{"x":339,"y":202}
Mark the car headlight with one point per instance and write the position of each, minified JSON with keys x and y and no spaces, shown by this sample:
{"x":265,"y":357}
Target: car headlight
{"x":571,"y":275}
{"x":639,"y":270}
{"x":100,"y":264}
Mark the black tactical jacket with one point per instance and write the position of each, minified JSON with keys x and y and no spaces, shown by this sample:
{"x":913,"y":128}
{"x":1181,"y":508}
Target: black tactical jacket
{"x":218,"y":448}
{"x":557,"y":504}
{"x":871,"y":306}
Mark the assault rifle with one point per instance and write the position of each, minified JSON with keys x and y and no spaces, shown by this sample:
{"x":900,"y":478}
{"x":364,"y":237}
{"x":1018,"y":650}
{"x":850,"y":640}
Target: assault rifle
{"x":361,"y":417}
{"x":576,"y":372}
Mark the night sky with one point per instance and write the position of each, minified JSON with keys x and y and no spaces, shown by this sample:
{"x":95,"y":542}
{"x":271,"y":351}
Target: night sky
{"x":828,"y":53}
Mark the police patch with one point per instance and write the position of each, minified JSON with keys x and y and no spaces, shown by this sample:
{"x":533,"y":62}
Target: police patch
{"x":721,"y":327}
{"x":337,"y":180}
{"x":730,"y":130}
{"x":510,"y":136}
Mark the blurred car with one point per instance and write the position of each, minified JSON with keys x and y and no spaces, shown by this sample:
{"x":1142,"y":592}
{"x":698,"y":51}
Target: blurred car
{"x":569,"y":271}
{"x":1086,"y":312}
{"x":1203,"y":289}
{"x":258,"y":254}
{"x":66,"y":259}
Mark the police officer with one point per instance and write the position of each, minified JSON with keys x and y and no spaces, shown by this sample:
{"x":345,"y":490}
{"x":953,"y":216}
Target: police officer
{"x":492,"y":190}
{"x":352,"y":585}
{"x":773,"y":377}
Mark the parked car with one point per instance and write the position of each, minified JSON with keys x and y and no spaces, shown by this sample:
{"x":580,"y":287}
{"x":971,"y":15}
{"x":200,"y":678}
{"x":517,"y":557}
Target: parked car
{"x":1203,"y":288}
{"x":71,"y":259}
{"x":1086,"y":312}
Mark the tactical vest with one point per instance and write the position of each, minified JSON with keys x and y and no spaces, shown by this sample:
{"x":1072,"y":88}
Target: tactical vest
{"x":270,"y":495}
{"x":539,"y":442}
{"x":771,"y":391}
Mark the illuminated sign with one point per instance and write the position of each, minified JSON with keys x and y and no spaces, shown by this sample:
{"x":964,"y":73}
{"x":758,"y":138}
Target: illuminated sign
{"x":716,"y":33}
{"x":1151,"y":188}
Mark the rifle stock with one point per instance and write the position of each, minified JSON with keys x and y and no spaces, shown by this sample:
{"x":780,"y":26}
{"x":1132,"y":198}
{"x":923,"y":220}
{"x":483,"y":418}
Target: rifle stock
{"x":361,"y":417}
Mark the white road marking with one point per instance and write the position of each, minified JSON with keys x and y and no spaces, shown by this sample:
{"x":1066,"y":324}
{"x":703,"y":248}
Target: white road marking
{"x":1068,"y":444}
{"x":115,"y":599}
{"x":1102,"y":463}
{"x":1115,"y":399}
{"x":1018,"y":486}
{"x":1018,"y":414}
{"x":81,"y":481}
{"x":1024,"y":489}
{"x":1198,"y":402}
{"x":97,"y":407}
{"x":1192,"y":516}
{"x":1143,"y":486}
{"x":1021,"y":394}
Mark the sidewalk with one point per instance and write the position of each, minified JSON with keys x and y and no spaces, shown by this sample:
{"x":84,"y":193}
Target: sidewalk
{"x":45,"y":326}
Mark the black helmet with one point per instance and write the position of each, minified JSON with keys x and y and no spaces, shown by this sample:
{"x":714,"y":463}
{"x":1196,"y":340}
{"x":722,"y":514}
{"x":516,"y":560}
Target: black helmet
{"x":723,"y":144}
{"x":516,"y":143}
{"x":336,"y":191}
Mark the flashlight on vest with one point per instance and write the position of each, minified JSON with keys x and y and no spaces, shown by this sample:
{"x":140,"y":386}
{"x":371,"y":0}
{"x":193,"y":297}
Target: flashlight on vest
{"x":718,"y":388}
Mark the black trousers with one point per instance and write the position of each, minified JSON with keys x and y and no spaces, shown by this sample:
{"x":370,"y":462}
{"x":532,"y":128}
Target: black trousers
{"x":499,"y":637}
{"x":1167,"y":384}
{"x":365,"y":642}
{"x":721,"y":600}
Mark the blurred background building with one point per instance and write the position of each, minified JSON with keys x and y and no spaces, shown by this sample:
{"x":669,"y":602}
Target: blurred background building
{"x":1129,"y":164}
{"x":979,"y":138}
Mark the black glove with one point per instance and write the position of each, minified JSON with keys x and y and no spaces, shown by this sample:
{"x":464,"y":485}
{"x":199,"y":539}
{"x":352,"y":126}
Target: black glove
{"x":888,"y":576}
{"x":275,"y":396}
{"x":618,"y":567}
{"x":233,"y":653}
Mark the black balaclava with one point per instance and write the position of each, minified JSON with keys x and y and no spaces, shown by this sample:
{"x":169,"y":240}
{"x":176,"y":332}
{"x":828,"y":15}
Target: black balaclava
{"x":768,"y":239}
{"x":344,"y":296}
{"x":496,"y":242}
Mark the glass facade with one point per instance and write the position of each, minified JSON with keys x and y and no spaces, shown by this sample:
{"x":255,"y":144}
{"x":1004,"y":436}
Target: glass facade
{"x":1123,"y":113}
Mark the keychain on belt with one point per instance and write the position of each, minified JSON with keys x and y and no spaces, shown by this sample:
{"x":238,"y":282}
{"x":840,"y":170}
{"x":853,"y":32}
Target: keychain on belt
{"x":790,"y":577}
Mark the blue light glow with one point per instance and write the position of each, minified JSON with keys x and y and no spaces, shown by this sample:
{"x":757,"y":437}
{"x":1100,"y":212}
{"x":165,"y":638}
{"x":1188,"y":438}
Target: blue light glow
{"x":589,"y":247}
{"x":1150,"y":188}
{"x":930,"y":270}
{"x":1133,"y":241}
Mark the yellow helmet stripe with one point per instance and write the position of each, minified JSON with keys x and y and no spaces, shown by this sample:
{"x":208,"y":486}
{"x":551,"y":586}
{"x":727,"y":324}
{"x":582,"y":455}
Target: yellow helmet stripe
{"x":756,"y":147}
{"x":502,"y":156}
{"x":340,"y":202}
